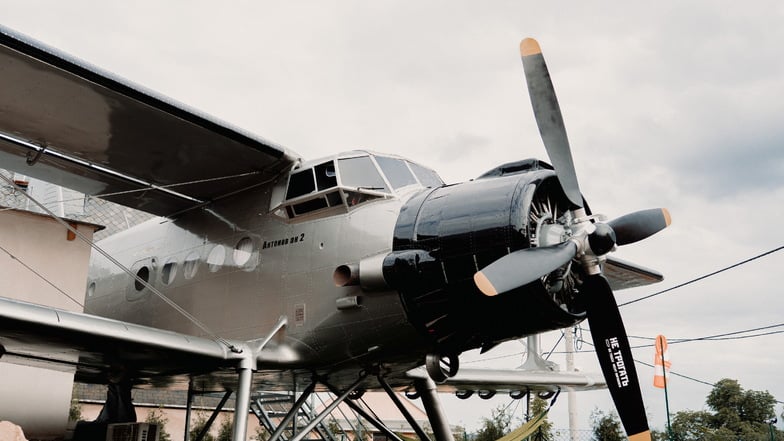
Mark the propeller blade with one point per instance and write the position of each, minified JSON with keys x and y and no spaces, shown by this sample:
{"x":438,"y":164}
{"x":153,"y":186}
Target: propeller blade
{"x":615,"y":356}
{"x":639,"y":225}
{"x":523,"y":267}
{"x":549,"y":119}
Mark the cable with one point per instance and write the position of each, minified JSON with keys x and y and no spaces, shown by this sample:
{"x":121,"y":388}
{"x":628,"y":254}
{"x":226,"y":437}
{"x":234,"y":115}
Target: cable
{"x":705,"y":276}
{"x":135,"y":277}
{"x":684,"y":376}
{"x":555,"y":345}
{"x":42,"y":277}
{"x":716,"y":337}
{"x":140,"y":190}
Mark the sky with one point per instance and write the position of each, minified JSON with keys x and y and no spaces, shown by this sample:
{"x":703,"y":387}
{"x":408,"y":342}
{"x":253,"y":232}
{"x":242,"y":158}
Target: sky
{"x":667,"y":104}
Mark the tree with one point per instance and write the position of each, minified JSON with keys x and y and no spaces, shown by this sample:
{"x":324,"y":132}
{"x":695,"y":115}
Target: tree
{"x":197,"y":425}
{"x":606,"y":426}
{"x":263,"y":435}
{"x":545,"y":431}
{"x":736,"y":414}
{"x":225,"y":429}
{"x":156,"y":416}
{"x":496,"y":426}
{"x":75,"y":411}
{"x":459,"y":433}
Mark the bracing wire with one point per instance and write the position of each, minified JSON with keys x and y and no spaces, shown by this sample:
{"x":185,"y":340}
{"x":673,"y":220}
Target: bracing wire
{"x":42,"y":277}
{"x":135,"y":277}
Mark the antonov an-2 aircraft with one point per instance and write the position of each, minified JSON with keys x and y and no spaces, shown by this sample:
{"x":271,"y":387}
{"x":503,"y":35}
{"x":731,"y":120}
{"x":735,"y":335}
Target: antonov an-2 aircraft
{"x":358,"y":271}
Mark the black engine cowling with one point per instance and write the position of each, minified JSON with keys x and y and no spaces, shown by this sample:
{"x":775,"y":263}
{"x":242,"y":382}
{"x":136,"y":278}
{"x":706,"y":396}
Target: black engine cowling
{"x":445,"y":235}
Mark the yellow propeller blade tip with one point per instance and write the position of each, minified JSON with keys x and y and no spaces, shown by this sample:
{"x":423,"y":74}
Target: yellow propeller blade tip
{"x":642,"y":436}
{"x":529,"y":46}
{"x":667,"y":217}
{"x":484,"y":285}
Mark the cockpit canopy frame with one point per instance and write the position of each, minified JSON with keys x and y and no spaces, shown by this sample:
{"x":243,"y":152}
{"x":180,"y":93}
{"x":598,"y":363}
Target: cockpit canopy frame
{"x":343,"y":182}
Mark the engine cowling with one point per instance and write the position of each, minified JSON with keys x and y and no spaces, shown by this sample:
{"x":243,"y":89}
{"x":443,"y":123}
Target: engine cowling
{"x":443,"y":236}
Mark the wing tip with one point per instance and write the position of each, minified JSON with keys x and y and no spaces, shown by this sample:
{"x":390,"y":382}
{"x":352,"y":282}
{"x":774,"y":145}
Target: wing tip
{"x":529,"y":46}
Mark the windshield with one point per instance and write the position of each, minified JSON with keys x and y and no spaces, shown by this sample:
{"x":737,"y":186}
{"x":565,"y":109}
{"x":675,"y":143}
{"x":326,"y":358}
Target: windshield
{"x":361,"y":173}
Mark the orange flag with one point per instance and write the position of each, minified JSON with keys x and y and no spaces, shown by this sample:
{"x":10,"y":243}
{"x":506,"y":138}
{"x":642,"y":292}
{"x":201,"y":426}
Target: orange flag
{"x":661,"y":363}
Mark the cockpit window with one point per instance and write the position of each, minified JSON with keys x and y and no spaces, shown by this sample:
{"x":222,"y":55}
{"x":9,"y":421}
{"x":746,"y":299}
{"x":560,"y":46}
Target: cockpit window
{"x":427,"y":177}
{"x":396,"y":171}
{"x":326,"y":176}
{"x":361,"y":173}
{"x":301,"y":183}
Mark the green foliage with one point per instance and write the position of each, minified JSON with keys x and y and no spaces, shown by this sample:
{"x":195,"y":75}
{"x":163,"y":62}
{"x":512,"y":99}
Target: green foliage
{"x":263,"y":435}
{"x":197,"y":424}
{"x":606,"y":426}
{"x":459,"y":433}
{"x":736,"y":414}
{"x":545,"y":432}
{"x":75,"y":411}
{"x":156,"y":416}
{"x":496,"y":426}
{"x":225,"y":429}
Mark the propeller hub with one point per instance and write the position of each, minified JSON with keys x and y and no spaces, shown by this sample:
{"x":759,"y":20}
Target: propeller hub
{"x":602,"y":240}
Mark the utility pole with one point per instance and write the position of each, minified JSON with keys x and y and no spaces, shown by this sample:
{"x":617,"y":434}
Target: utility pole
{"x":571,"y":396}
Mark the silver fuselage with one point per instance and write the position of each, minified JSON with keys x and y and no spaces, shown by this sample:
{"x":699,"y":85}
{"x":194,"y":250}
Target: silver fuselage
{"x":241,"y":291}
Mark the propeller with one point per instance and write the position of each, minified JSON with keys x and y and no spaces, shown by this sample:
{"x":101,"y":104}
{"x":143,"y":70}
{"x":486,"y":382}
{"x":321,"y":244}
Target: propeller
{"x":494,"y":279}
{"x":586,"y":239}
{"x":548,"y":118}
{"x":639,"y":225}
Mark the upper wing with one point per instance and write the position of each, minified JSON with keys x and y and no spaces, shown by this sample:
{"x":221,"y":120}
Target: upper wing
{"x":69,"y":123}
{"x":95,"y":346}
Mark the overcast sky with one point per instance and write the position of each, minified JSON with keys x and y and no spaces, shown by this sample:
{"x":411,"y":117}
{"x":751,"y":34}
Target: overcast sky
{"x":674,"y":104}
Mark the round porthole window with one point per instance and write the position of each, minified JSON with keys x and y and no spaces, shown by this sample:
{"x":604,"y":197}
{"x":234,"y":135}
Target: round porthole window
{"x":144,"y":274}
{"x":168,"y":272}
{"x":216,"y":258}
{"x":243,"y":251}
{"x":191,"y":265}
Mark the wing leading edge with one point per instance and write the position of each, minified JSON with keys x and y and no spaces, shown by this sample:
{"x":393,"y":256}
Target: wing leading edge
{"x":66,"y":122}
{"x":95,"y":346}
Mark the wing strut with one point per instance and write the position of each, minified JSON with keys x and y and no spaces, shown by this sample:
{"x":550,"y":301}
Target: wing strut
{"x":429,"y":393}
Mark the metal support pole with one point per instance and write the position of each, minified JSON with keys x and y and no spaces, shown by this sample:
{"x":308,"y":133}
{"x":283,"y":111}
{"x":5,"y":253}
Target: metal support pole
{"x":571,"y":396}
{"x":427,"y":390}
{"x":188,"y":409}
{"x":293,"y":412}
{"x":242,"y":403}
{"x":406,"y":414}
{"x":369,"y":418}
{"x":666,"y":397}
{"x":317,"y":419}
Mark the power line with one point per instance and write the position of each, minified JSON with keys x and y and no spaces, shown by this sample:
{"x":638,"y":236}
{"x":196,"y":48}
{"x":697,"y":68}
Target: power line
{"x":705,"y":276}
{"x":724,"y":336}
{"x":716,"y":337}
{"x":684,"y":376}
